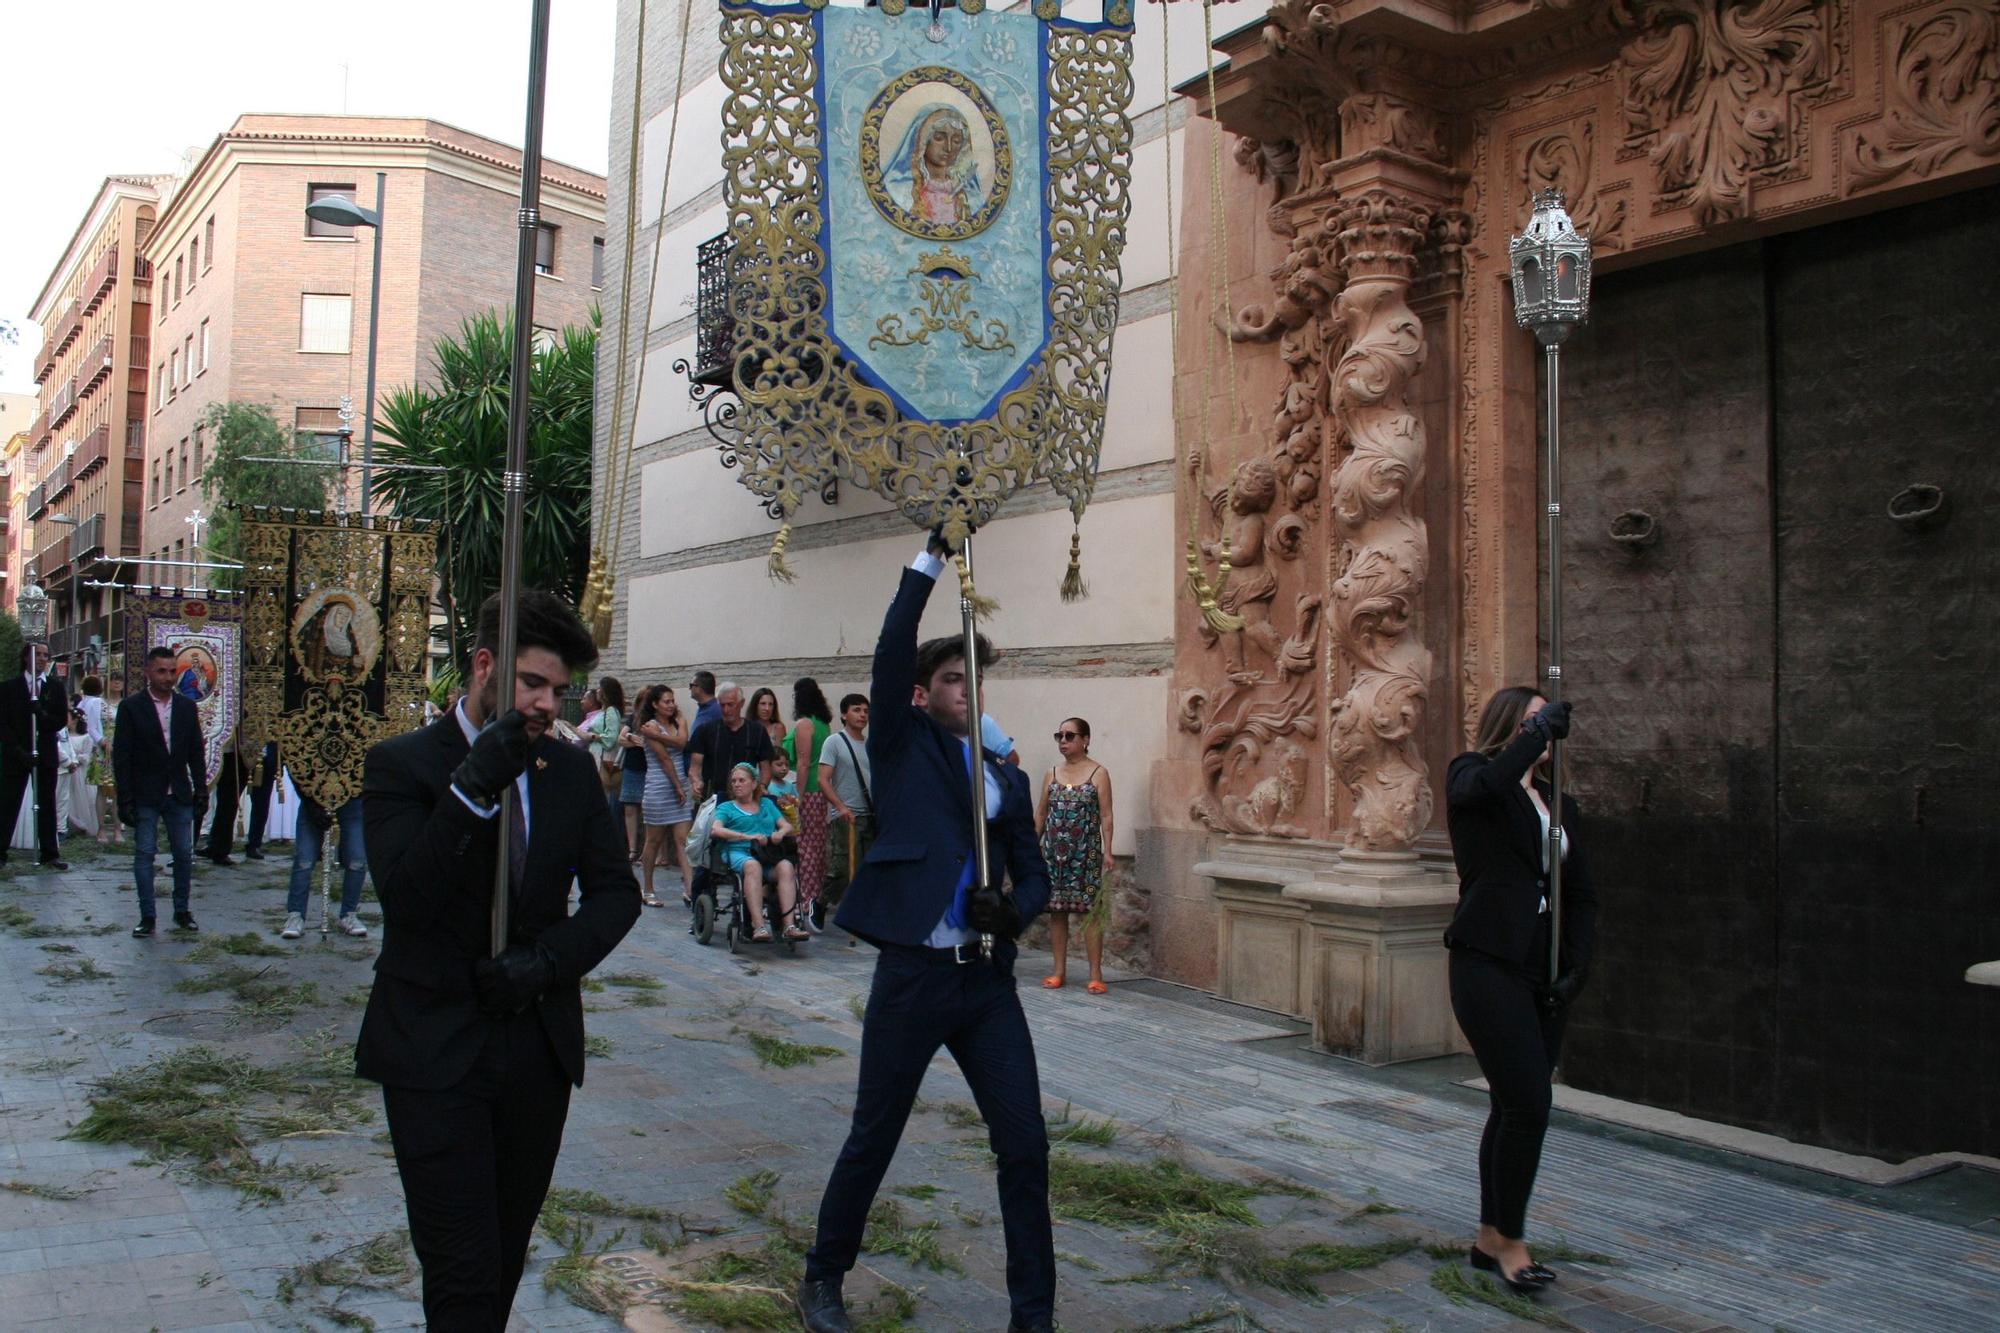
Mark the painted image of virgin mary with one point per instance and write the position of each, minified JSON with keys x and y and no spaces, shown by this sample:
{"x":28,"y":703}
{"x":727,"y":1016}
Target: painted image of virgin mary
{"x":934,"y":175}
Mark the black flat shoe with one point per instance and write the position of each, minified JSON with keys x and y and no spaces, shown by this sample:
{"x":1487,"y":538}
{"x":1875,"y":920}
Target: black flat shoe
{"x":55,"y":865}
{"x":253,"y":854}
{"x":1527,"y":1280}
{"x":144,"y":930}
{"x":185,"y":921}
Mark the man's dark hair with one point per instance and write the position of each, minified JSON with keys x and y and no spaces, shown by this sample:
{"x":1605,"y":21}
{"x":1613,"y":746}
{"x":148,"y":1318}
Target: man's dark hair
{"x":543,"y":621}
{"x":703,"y":681}
{"x":848,"y":701}
{"x":162,"y":651}
{"x":932,"y":654}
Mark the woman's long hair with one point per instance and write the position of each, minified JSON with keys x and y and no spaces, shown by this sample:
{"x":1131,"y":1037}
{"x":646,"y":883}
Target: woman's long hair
{"x":642,"y":712}
{"x":808,"y":700}
{"x":612,"y":693}
{"x":1502,"y":718}
{"x":777,"y":713}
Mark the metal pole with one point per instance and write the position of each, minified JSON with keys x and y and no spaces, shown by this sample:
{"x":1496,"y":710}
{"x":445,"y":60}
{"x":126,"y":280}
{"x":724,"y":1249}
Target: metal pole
{"x":514,"y":479}
{"x":975,"y":712}
{"x":1553,"y":690}
{"x":326,"y":846}
{"x":374,"y":323}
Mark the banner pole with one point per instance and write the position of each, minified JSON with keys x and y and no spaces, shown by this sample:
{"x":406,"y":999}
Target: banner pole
{"x":514,"y":479}
{"x":975,"y":712}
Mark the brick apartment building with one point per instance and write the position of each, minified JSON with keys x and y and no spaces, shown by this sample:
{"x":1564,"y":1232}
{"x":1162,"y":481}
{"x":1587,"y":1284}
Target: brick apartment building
{"x":78,"y":477}
{"x":258,"y":303}
{"x":17,"y":413}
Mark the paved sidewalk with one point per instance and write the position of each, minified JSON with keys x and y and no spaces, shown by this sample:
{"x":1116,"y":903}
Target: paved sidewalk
{"x":706,"y":1160}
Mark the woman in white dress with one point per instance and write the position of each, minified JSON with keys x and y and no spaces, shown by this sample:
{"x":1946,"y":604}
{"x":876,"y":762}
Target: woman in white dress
{"x":76,"y":805}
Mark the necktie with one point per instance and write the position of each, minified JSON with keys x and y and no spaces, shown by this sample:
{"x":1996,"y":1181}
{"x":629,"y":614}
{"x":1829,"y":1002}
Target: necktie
{"x":959,"y":914}
{"x":517,"y":843}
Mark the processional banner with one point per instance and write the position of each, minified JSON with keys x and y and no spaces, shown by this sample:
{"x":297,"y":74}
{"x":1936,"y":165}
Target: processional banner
{"x":926,"y":215}
{"x":337,"y":639}
{"x":206,"y":635}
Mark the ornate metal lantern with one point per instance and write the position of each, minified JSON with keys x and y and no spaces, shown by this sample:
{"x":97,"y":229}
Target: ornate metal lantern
{"x":31,"y":609}
{"x":1551,"y":266}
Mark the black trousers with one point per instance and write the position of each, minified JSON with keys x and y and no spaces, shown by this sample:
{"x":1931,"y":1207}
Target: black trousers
{"x":917,"y":1004}
{"x":1517,"y":1043}
{"x":14,"y":785}
{"x":476,"y":1161}
{"x":228,"y":792}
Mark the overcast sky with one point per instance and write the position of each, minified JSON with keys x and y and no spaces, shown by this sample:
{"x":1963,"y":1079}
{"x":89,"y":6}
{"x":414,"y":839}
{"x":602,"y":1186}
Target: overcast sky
{"x":136,"y":86}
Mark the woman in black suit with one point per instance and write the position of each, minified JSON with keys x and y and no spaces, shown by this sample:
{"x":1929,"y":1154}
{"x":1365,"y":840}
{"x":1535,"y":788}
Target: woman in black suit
{"x":1497,"y":810}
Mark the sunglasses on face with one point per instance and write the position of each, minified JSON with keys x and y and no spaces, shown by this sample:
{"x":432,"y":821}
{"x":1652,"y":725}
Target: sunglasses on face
{"x":1069,"y":736}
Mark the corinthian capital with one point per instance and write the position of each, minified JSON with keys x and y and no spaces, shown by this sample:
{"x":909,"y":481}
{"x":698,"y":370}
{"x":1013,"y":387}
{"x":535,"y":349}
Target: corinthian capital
{"x":1380,"y":233}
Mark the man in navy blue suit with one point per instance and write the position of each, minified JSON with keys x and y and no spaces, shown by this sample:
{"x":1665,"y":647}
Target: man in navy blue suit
{"x":915,"y":899}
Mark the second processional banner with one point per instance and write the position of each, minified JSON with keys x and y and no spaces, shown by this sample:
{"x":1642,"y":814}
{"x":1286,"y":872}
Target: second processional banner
{"x":206,"y":635}
{"x":336,"y":637}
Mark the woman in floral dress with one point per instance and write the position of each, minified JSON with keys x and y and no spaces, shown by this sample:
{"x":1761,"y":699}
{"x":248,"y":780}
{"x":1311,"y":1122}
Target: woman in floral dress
{"x":1073,"y":817}
{"x":801,"y":748}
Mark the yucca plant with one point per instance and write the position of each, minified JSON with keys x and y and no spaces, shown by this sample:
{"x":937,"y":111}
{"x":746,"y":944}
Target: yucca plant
{"x":459,"y":422}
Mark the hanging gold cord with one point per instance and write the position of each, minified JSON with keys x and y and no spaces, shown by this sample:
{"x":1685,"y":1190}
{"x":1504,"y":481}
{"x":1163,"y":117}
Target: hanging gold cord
{"x":775,"y":565}
{"x":624,"y":424}
{"x":982,"y":606}
{"x":1205,"y":593}
{"x":1074,"y":589}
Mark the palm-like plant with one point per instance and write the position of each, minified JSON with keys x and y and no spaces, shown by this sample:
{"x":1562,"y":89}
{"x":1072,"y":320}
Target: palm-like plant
{"x":459,"y":424}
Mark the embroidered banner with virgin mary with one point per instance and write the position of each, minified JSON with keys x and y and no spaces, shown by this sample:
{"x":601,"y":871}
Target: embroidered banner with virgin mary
{"x":926,"y":214}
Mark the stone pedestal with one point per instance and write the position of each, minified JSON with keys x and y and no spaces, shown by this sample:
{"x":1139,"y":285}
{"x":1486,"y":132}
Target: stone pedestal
{"x":1350,"y":941}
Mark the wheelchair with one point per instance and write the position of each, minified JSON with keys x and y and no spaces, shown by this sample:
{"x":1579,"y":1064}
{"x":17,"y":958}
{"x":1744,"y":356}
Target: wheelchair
{"x":721,"y":898}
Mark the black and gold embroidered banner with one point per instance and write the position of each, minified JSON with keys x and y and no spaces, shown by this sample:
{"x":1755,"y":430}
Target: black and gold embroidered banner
{"x":336,"y":639}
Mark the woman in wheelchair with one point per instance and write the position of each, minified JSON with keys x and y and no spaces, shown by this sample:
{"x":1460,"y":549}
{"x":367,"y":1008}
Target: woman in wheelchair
{"x":758,"y":845}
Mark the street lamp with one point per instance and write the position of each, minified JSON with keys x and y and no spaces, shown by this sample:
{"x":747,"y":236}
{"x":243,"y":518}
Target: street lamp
{"x":70,"y":521}
{"x":31,"y":609}
{"x":344,"y":212}
{"x":1551,"y":270}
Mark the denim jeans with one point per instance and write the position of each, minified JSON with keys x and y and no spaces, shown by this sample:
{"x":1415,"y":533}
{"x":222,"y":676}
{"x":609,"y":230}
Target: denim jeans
{"x":305,"y":855}
{"x":179,"y":819}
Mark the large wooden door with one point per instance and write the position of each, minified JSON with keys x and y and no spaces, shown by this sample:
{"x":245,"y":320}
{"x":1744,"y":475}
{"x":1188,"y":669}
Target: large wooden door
{"x":1788,"y":742}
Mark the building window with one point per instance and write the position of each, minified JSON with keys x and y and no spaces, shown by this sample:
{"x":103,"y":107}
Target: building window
{"x":197,"y":453}
{"x":156,"y":481}
{"x":184,"y":467}
{"x":544,"y":338}
{"x":597,"y":261}
{"x":208,"y":241}
{"x":161,"y":382}
{"x":187,"y":352}
{"x":545,"y":248}
{"x":204,"y":347}
{"x":178,"y":263}
{"x":194,"y":261}
{"x":314,"y":227}
{"x":180,"y":548}
{"x":173,"y":374}
{"x":321,"y":426}
{"x":325,"y":323}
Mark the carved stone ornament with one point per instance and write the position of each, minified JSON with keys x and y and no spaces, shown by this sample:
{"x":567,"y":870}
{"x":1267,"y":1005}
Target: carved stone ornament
{"x":1942,"y":98}
{"x":1564,"y":158}
{"x":1711,"y":91}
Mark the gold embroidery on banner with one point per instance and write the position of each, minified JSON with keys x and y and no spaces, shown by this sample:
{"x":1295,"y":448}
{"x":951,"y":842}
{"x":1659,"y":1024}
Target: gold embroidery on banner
{"x":945,"y":296}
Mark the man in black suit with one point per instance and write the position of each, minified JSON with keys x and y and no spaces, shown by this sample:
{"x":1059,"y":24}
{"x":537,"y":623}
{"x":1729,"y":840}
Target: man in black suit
{"x":914,"y":899}
{"x":476,"y":1054}
{"x":160,"y":770}
{"x":33,"y":711}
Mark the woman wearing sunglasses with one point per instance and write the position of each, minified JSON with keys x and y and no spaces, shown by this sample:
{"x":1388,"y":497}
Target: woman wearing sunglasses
{"x":1073,"y":818}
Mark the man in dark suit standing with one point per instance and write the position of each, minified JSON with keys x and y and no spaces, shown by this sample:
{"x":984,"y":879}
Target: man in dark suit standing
{"x":160,"y":770}
{"x":33,"y":712}
{"x":476,"y":1055}
{"x":914,"y":899}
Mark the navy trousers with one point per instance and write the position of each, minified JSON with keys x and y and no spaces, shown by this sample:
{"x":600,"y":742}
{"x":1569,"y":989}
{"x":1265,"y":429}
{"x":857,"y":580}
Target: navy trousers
{"x":917,"y":1004}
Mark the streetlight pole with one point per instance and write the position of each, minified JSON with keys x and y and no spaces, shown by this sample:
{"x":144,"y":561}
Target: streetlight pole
{"x":374,"y":323}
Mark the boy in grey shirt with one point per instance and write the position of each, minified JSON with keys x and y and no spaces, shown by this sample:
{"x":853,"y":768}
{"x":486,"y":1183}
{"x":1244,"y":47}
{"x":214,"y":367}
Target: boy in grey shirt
{"x":844,"y":777}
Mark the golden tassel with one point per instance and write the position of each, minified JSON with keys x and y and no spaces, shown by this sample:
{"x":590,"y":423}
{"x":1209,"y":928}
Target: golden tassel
{"x":982,"y":606}
{"x":776,"y":566}
{"x":593,"y":591}
{"x":600,"y":621}
{"x":1073,"y":587}
{"x":1204,"y":593}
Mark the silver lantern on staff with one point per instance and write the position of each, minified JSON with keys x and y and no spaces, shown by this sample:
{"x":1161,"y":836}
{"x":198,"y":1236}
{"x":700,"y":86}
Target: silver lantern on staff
{"x":1550,"y":263}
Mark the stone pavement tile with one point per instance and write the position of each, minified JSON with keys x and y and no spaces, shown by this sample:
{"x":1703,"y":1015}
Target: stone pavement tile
{"x":111,"y":1253}
{"x":85,"y":1291}
{"x":214,"y":1309}
{"x":161,"y":1244}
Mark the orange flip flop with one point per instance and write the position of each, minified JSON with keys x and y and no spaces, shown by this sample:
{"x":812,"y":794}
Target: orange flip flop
{"x":1052,"y":983}
{"x":1098,"y":988}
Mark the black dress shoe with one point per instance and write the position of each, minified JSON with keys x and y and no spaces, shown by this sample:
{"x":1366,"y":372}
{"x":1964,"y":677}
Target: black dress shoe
{"x":1039,"y":1326}
{"x":822,"y":1309}
{"x":1526,"y":1280}
{"x":253,"y":853}
{"x":55,"y":864}
{"x":223,"y":860}
{"x":144,"y":930}
{"x":185,"y":921}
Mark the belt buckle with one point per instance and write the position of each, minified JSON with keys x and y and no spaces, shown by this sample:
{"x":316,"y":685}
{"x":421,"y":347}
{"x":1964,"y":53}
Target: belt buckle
{"x":961,"y":957}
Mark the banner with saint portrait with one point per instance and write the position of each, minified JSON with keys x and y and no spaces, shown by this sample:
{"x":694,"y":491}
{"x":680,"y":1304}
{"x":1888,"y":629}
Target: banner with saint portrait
{"x":336,"y":635}
{"x":926,"y":215}
{"x":206,"y":635}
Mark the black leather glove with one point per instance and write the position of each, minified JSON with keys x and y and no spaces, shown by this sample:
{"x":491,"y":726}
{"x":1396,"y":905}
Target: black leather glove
{"x":937,"y":545}
{"x":992,"y":912}
{"x":513,"y":981}
{"x":498,"y":757}
{"x":128,"y":814}
{"x":1552,"y":721}
{"x":1563,"y":993}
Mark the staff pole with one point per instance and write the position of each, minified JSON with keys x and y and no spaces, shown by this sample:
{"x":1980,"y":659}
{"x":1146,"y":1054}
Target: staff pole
{"x":975,"y":711}
{"x":514,"y":478}
{"x":1552,"y":690}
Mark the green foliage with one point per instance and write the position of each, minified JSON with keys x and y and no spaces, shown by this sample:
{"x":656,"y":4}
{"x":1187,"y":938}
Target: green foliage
{"x":10,"y":642}
{"x":460,"y":424}
{"x":237,"y":433}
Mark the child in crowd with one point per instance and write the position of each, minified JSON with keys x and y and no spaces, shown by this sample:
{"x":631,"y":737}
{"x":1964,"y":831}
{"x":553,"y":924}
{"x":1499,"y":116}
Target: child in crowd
{"x":784,"y":788}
